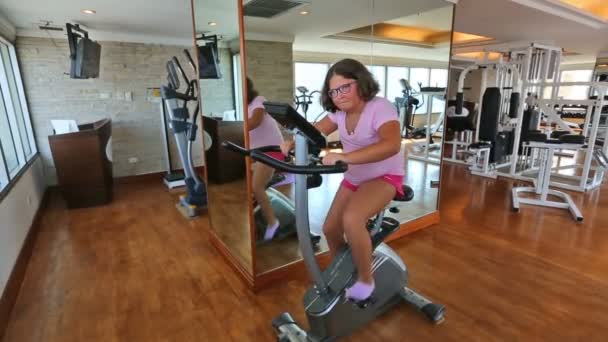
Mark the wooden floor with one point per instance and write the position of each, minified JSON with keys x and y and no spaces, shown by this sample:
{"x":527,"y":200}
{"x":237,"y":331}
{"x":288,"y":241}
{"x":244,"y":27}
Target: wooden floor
{"x":230,"y":219}
{"x":137,"y":271}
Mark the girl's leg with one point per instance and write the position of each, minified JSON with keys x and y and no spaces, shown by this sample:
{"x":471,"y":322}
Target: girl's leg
{"x":370,"y":199}
{"x":333,"y":227}
{"x":261,"y":176}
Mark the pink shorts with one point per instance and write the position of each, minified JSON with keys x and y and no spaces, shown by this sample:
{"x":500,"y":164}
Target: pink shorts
{"x":394,"y":180}
{"x":276,"y":155}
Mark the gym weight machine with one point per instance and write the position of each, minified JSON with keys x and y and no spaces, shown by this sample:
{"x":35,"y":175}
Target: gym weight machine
{"x":535,"y":64}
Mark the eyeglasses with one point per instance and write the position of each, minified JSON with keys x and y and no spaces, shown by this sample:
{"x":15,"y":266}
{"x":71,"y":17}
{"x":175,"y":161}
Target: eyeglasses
{"x":343,"y":89}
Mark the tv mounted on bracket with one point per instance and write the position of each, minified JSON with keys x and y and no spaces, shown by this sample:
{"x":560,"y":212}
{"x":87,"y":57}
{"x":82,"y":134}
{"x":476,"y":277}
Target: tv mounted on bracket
{"x":84,"y":53}
{"x":208,"y":58}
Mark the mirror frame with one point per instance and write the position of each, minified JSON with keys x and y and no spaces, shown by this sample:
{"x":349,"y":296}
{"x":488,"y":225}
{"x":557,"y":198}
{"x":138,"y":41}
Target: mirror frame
{"x":234,"y":262}
{"x":296,"y":269}
{"x":445,"y":118}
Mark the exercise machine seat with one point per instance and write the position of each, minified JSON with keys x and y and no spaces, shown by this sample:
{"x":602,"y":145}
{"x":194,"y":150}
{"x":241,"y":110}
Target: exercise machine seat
{"x":572,"y":139}
{"x":460,"y":124}
{"x":538,"y":137}
{"x":480,"y":145}
{"x":557,"y":134}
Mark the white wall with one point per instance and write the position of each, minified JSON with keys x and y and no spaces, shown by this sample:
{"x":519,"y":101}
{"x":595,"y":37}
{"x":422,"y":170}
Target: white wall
{"x":7,"y":29}
{"x":17,"y":211}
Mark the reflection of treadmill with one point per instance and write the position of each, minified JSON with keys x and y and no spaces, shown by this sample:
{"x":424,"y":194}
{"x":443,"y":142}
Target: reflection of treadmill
{"x":406,"y":106}
{"x":422,"y":149}
{"x":431,"y":93}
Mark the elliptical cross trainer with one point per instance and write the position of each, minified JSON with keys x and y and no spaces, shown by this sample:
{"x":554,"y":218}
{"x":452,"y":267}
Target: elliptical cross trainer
{"x":184,"y":131}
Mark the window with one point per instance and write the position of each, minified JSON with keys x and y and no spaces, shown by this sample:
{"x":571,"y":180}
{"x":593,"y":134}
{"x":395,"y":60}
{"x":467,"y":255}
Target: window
{"x":419,"y":77}
{"x":379,"y":73}
{"x":575,"y":92}
{"x":12,"y":84}
{"x":3,"y":175}
{"x":6,"y":139}
{"x":17,"y":144}
{"x":439,"y":78}
{"x":311,"y":76}
{"x":393,"y":83}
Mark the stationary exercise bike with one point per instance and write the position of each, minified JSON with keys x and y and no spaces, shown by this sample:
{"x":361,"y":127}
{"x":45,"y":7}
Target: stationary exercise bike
{"x":184,"y":131}
{"x":330,"y":314}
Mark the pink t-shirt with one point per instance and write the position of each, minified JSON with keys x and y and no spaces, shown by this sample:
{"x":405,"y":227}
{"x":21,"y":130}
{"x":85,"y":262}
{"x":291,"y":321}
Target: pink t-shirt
{"x":268,"y":132}
{"x":377,"y":111}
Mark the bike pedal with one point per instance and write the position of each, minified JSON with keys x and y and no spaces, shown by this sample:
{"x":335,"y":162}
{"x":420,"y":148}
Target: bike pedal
{"x":362,"y":304}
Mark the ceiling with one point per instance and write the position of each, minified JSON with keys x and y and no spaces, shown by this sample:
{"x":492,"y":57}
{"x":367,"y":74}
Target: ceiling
{"x":316,"y":31}
{"x":516,"y":20}
{"x":169,"y":22}
{"x":133,"y":20}
{"x":597,"y":7}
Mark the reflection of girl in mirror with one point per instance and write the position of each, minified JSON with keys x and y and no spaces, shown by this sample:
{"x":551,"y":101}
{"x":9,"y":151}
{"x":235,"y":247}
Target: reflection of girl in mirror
{"x":369,"y":131}
{"x":263,"y":131}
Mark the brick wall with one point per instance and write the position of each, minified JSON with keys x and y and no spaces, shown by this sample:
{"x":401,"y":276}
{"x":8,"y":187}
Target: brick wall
{"x":270,"y":66}
{"x":218,"y":95}
{"x":125,"y":67}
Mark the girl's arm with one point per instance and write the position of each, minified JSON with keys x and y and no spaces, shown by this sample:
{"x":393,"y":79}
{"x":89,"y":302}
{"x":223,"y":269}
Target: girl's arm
{"x":325,"y":126}
{"x":388,"y":145}
{"x":256,"y":118}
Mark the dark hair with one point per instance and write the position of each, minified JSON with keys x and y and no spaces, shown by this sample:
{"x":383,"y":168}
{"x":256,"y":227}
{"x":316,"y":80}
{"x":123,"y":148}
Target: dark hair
{"x":251,"y":92}
{"x":352,"y":69}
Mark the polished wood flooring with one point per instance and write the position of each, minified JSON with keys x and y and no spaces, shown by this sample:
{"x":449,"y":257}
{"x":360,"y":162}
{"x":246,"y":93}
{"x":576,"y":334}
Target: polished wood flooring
{"x":137,"y":271}
{"x":229,"y":215}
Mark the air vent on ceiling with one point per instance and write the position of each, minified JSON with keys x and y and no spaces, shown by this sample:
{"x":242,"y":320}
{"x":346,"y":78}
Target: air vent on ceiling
{"x":270,"y":8}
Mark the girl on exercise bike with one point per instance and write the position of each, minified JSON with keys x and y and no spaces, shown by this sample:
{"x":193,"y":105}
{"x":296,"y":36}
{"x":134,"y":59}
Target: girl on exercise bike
{"x":369,"y":131}
{"x":263,"y":131}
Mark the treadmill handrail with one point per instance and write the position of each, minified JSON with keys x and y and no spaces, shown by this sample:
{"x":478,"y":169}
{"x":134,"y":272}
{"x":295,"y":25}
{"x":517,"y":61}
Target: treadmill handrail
{"x":168,"y":93}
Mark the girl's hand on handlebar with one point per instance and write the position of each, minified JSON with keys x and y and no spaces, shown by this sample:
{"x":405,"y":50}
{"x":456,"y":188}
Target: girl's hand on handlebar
{"x":287,"y":146}
{"x":333,"y":158}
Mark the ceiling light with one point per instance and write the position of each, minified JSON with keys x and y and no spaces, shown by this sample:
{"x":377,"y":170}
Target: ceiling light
{"x":212,"y":23}
{"x":88,"y":11}
{"x":595,"y":7}
{"x":304,"y":12}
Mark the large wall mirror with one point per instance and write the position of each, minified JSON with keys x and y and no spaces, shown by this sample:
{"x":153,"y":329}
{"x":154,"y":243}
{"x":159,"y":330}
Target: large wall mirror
{"x":216,"y":31}
{"x":288,"y":51}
